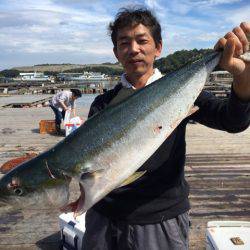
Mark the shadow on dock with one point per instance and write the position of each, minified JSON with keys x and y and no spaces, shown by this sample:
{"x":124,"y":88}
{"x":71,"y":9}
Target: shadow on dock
{"x":35,"y":130}
{"x":51,"y":242}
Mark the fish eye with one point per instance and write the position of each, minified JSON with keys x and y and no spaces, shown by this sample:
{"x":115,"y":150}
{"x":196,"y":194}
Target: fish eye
{"x":18,"y":191}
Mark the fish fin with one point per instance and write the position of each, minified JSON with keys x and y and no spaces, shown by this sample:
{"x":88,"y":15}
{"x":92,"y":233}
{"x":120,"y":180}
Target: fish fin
{"x":133,"y":178}
{"x":79,"y":210}
{"x":66,"y":177}
{"x":76,"y":206}
{"x":191,"y":111}
{"x":71,"y":207}
{"x":91,"y":174}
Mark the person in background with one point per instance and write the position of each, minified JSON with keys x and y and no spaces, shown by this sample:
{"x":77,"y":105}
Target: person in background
{"x":61,"y":102}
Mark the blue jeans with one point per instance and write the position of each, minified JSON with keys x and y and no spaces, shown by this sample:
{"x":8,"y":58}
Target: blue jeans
{"x":59,"y":115}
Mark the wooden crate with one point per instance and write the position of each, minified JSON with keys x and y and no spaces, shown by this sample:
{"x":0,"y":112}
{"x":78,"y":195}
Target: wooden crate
{"x":47,"y":126}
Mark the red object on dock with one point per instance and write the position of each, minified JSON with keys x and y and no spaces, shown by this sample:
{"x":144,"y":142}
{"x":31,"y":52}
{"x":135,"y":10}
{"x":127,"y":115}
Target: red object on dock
{"x":7,"y":166}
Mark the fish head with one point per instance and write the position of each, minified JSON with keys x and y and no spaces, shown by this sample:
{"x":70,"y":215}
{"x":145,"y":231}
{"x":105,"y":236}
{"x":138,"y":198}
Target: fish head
{"x":30,"y":185}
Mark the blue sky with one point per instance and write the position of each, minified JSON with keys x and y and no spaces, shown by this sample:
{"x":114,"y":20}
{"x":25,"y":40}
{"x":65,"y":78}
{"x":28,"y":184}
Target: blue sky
{"x":74,"y":31}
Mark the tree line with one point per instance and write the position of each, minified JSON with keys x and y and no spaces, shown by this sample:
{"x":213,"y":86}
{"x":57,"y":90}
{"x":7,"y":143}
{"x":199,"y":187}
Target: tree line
{"x":166,"y":64}
{"x":178,"y":59}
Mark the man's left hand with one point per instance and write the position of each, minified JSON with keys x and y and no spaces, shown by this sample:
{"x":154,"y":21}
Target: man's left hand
{"x":234,"y":44}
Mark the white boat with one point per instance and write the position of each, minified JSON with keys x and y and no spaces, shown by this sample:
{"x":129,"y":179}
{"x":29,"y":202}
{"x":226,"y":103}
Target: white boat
{"x":89,"y":76}
{"x":34,"y":77}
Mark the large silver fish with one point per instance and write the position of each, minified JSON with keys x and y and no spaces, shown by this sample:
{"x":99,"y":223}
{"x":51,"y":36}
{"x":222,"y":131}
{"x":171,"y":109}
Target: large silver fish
{"x":109,"y":147}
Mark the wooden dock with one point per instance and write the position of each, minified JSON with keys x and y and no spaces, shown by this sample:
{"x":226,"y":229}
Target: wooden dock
{"x":217,"y":169}
{"x":38,"y":103}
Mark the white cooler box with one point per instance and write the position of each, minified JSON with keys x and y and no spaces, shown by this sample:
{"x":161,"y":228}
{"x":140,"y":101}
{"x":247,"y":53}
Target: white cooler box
{"x":72,"y":231}
{"x":228,"y":235}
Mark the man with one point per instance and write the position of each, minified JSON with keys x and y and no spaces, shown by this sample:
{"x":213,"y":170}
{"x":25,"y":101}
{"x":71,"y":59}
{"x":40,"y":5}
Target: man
{"x":61,"y":102}
{"x":151,"y":213}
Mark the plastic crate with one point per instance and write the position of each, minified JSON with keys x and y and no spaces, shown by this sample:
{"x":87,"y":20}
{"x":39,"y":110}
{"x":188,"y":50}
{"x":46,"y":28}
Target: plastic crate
{"x":47,"y":126}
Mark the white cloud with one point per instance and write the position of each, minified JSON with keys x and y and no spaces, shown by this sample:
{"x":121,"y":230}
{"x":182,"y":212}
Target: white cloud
{"x":153,"y":4}
{"x":208,"y":36}
{"x":238,"y":15}
{"x":77,"y":29}
{"x":46,"y":24}
{"x":216,"y":2}
{"x":100,"y":51}
{"x":159,"y":9}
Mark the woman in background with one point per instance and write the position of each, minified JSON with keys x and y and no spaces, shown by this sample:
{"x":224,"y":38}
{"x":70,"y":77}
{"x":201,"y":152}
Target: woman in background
{"x":61,"y":102}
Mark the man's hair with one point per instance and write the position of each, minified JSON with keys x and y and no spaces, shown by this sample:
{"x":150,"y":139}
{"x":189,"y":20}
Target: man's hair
{"x":76,"y":92}
{"x":131,"y":17}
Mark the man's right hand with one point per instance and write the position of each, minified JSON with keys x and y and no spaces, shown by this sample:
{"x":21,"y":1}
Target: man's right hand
{"x":234,"y":44}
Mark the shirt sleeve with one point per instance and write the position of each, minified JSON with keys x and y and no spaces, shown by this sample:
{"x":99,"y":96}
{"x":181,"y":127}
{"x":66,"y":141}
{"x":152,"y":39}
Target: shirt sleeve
{"x":231,"y":114}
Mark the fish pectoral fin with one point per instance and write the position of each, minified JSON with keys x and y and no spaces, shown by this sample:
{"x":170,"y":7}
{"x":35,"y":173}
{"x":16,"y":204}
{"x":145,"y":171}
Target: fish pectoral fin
{"x":67,"y":177}
{"x":76,"y":206}
{"x":133,"y":177}
{"x":91,"y":174}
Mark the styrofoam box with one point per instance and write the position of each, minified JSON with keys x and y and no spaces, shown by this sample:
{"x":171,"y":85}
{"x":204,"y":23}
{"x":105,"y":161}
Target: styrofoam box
{"x":72,"y":231}
{"x":220,"y":233}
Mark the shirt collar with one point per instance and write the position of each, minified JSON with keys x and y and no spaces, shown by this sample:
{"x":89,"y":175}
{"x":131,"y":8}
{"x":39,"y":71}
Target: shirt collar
{"x":157,"y":74}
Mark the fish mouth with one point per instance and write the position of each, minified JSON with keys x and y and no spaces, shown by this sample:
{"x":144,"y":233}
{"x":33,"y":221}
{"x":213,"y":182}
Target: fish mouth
{"x":77,"y":207}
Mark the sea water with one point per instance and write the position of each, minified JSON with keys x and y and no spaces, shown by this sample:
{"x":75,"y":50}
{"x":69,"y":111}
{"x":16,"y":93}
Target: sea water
{"x":85,"y":100}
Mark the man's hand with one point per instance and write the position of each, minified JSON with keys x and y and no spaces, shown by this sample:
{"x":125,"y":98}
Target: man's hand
{"x":234,"y":44}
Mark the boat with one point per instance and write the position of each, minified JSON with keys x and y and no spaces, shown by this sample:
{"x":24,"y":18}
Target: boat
{"x":89,"y":76}
{"x":34,"y":77}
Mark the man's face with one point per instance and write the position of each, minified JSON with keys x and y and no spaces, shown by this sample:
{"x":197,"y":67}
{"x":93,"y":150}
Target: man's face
{"x":136,"y":50}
